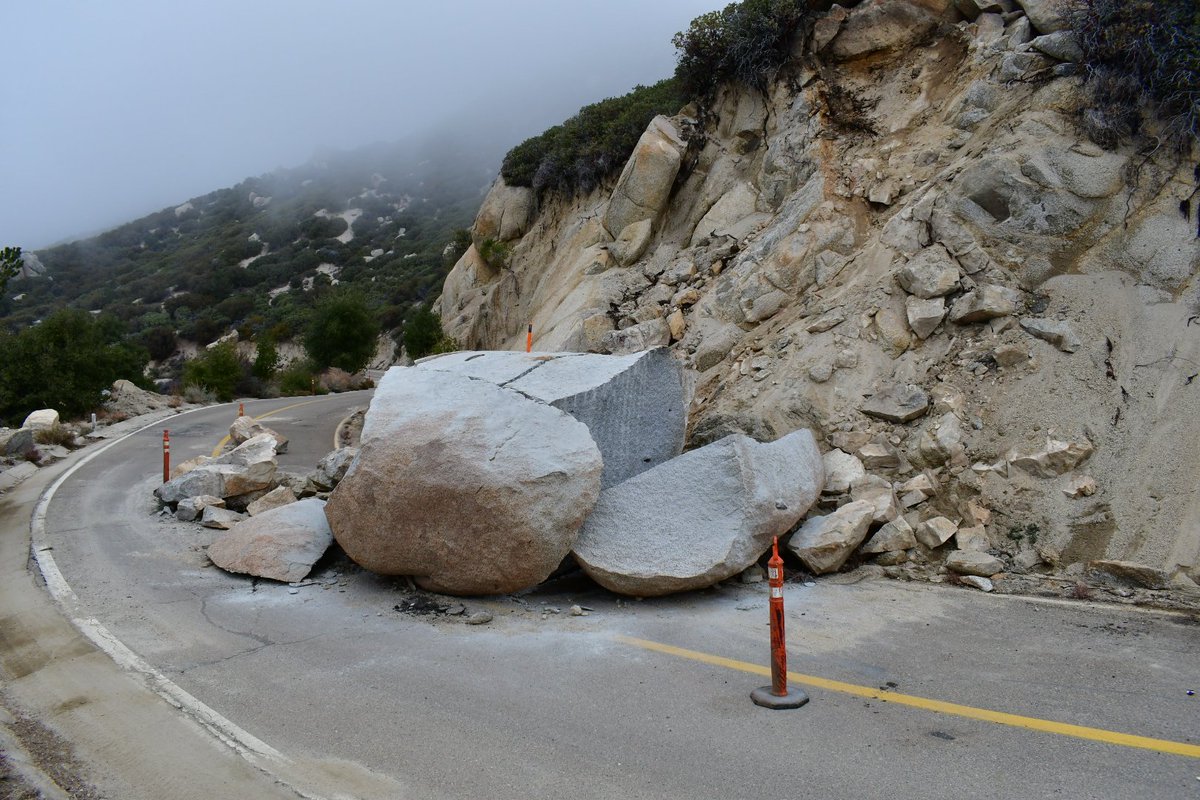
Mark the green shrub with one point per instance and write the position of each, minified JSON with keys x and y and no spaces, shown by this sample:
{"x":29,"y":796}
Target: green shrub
{"x":745,"y":42}
{"x":591,"y":146}
{"x":298,"y":378}
{"x":495,"y":253}
{"x":266,"y":359}
{"x":423,"y":334}
{"x":65,"y":363}
{"x":341,"y":333}
{"x":1141,"y":56}
{"x":218,"y":370}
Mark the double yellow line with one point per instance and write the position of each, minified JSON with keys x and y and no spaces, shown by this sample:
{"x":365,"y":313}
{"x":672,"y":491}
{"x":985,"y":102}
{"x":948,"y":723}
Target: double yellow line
{"x":938,"y":706}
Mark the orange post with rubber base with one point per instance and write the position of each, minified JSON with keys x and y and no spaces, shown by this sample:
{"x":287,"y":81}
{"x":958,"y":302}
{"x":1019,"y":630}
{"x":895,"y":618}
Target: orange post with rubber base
{"x":166,"y":456}
{"x":529,"y":339}
{"x":241,"y":409}
{"x":777,"y":695}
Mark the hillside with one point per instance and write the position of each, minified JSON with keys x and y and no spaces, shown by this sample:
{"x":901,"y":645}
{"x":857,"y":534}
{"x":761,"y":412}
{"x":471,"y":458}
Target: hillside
{"x":920,"y":241}
{"x":256,"y":256}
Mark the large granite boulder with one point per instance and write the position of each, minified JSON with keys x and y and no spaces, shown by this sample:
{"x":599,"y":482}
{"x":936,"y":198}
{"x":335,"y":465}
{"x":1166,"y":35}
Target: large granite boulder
{"x":699,"y":518}
{"x":635,"y":406}
{"x":42,"y":418}
{"x":126,"y":398}
{"x":505,"y":214}
{"x":645,"y":183}
{"x":281,"y":544}
{"x":468,"y":487}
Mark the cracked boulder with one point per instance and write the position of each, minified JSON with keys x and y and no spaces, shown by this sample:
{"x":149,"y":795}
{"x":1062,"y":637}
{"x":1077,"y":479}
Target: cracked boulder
{"x":699,"y":518}
{"x":249,"y":467}
{"x":281,"y":544}
{"x":635,"y":406}
{"x":466,"y":486}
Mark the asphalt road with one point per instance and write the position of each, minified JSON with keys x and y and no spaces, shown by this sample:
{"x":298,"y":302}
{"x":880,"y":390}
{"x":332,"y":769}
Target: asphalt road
{"x":363,"y":700}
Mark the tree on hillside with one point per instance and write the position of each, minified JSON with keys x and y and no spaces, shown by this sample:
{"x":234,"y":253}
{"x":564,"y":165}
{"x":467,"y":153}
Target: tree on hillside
{"x":422,"y":332}
{"x":341,"y":333}
{"x":10,"y":265}
{"x":65,"y":363}
{"x":217,"y":369}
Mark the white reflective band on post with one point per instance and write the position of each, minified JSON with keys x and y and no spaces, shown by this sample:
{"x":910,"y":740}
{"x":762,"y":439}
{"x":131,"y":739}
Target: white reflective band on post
{"x":772,"y":573}
{"x":777,"y":591}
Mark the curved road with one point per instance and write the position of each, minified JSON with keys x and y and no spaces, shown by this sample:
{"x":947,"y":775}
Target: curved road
{"x":331,"y":689}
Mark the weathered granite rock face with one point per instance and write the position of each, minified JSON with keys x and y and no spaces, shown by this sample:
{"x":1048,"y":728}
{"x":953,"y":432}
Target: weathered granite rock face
{"x":467,"y":487}
{"x":634,"y":406}
{"x":645,"y":184}
{"x":42,"y":418}
{"x":699,"y":518}
{"x":281,"y":544}
{"x":505,"y":214}
{"x":963,"y":149}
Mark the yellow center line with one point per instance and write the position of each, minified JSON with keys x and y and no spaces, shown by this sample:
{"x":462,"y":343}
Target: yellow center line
{"x":221,"y":444}
{"x":939,"y":706}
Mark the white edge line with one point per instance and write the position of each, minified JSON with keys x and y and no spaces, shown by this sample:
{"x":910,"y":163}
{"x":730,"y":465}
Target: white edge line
{"x":242,"y":742}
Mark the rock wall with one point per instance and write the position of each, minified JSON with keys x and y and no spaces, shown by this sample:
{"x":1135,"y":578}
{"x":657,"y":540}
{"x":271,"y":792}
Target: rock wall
{"x":910,"y":211}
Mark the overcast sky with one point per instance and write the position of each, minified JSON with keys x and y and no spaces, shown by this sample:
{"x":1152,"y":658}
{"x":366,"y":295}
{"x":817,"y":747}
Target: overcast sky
{"x":110,"y":110}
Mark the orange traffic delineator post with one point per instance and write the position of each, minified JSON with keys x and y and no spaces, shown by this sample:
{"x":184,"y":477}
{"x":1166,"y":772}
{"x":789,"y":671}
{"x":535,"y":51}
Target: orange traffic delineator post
{"x":241,"y":409}
{"x":529,"y":339}
{"x":166,"y":456}
{"x":777,"y":695}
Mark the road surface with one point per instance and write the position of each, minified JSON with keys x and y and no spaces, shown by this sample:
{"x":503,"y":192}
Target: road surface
{"x":340,"y":687}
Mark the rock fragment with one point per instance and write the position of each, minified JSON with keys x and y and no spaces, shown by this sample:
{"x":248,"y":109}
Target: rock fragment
{"x":281,"y":543}
{"x":924,"y":316}
{"x":895,"y":536}
{"x":988,"y":301}
{"x":934,"y":533}
{"x":897,"y":403}
{"x":245,"y":428}
{"x":974,"y":562}
{"x":1055,"y":332}
{"x":841,"y":470}
{"x":824,"y":543}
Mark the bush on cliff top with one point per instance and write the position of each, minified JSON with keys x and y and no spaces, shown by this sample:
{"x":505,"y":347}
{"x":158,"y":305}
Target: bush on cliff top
{"x":1141,"y":56}
{"x":746,"y":42}
{"x":590,"y":146}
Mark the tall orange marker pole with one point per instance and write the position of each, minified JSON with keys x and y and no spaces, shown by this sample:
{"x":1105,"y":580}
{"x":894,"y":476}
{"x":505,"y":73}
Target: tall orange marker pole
{"x":166,"y":456}
{"x":241,"y":409}
{"x":777,"y":695}
{"x":529,"y":339}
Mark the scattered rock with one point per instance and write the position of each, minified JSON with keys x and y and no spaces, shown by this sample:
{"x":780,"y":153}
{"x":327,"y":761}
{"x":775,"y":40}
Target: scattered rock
{"x":245,"y":428}
{"x":276,"y":498}
{"x":677,"y":324}
{"x":1046,"y":15}
{"x":281,"y":543}
{"x":841,"y":470}
{"x":988,"y":301}
{"x":930,"y":273}
{"x":190,"y":508}
{"x":942,"y":441}
{"x":934,"y":533}
{"x":332,"y":468}
{"x":896,"y":536}
{"x":879,"y":493}
{"x":1081,"y":486}
{"x":1055,"y":459}
{"x":1139,"y":574}
{"x":467,"y":487}
{"x":1009,"y":355}
{"x":974,"y":562}
{"x":924,"y":316}
{"x":979,"y":582}
{"x":218,"y":517}
{"x":1061,"y":45}
{"x":824,"y":543}
{"x":700,"y":518}
{"x":878,"y":456}
{"x":478,"y":618}
{"x":1055,"y":332}
{"x":897,"y":404}
{"x":17,"y":442}
{"x":127,"y":399}
{"x":827,"y":321}
{"x":973,"y":538}
{"x":42,"y":418}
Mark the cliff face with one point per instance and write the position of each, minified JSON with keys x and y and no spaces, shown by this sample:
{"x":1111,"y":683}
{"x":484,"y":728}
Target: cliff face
{"x":910,"y":207}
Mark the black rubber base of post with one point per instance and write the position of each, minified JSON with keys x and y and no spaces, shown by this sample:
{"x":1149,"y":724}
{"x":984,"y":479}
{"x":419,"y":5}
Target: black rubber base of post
{"x":764,"y":697}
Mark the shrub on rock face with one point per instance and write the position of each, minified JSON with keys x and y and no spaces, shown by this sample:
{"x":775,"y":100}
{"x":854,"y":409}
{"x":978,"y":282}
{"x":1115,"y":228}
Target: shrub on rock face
{"x":744,"y":42}
{"x":1141,"y":55}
